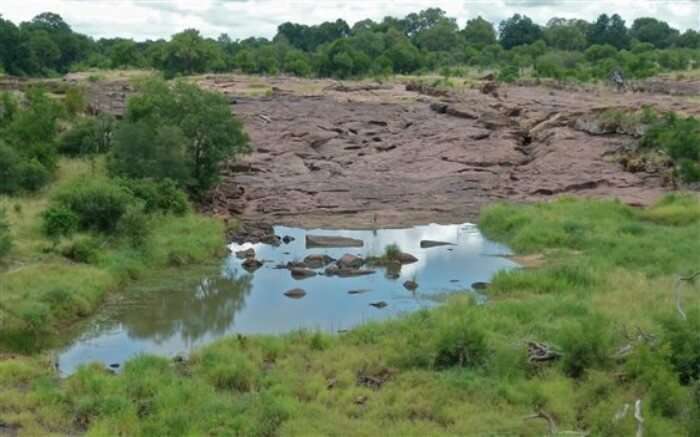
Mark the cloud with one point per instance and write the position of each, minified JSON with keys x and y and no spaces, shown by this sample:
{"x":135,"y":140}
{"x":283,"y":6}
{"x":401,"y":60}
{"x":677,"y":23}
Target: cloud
{"x":150,"y":19}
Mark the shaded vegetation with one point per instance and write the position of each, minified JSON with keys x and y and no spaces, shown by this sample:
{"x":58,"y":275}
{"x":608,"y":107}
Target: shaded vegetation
{"x":428,"y":40}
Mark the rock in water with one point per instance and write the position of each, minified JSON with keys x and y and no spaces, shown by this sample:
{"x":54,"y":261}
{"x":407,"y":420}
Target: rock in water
{"x":330,"y":241}
{"x":348,"y":261}
{"x":252,"y":264}
{"x":332,"y":270}
{"x":427,"y":244}
{"x":480,"y":286}
{"x":296,"y":293}
{"x":287,"y":239}
{"x":410,"y":285}
{"x":360,"y":291}
{"x":302,"y":273}
{"x":248,"y":253}
{"x":406,"y":258}
{"x":379,"y":305}
{"x":317,"y":261}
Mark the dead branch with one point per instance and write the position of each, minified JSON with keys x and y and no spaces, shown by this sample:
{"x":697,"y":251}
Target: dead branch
{"x":678,"y":292}
{"x":638,"y":417}
{"x":540,"y":352}
{"x":265,"y":118}
{"x":541,"y":414}
{"x":622,"y":413}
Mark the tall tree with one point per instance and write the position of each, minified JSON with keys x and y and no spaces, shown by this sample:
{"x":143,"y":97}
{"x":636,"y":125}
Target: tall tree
{"x":518,"y":30}
{"x":653,"y":31}
{"x":479,"y":33}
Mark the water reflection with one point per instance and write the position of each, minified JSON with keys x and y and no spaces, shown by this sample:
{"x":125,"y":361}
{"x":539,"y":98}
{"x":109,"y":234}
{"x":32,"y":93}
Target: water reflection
{"x":174,"y":314}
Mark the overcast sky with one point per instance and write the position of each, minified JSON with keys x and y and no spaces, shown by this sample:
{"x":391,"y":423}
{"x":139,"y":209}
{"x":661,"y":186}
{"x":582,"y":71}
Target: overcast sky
{"x":144,"y":19}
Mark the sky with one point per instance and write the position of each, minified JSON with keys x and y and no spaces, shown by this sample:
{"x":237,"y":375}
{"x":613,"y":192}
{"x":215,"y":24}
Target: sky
{"x":152,"y":19}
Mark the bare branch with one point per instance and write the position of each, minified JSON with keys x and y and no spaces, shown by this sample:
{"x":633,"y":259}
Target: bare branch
{"x":638,"y":417}
{"x":550,"y":421}
{"x":678,"y":292}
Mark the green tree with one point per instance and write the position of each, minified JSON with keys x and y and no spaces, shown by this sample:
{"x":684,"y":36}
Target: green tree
{"x":609,"y":30}
{"x":653,"y":31}
{"x":518,"y":30}
{"x":566,"y":34}
{"x":479,"y":33}
{"x":194,"y":124}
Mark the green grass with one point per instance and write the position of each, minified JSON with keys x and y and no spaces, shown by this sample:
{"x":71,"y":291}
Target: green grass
{"x":459,"y":369}
{"x":41,"y":291}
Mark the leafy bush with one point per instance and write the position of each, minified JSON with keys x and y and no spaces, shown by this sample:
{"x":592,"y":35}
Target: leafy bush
{"x":158,"y":195}
{"x":9,"y":169}
{"x":509,"y":74}
{"x":586,"y":344}
{"x":133,"y":226}
{"x":5,"y":236}
{"x":460,"y":343}
{"x":33,"y":175}
{"x":683,"y":338}
{"x":680,"y":138}
{"x":83,"y":250}
{"x":87,"y":136}
{"x":75,"y":101}
{"x":98,"y":204}
{"x":59,"y":221}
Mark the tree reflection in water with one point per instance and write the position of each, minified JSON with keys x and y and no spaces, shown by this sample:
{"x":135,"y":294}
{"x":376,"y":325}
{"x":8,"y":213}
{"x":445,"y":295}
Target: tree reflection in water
{"x":190,"y":312}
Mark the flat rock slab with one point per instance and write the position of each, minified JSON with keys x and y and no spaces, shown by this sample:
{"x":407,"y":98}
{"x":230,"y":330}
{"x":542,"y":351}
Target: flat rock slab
{"x":313,"y":241}
{"x":427,"y":244}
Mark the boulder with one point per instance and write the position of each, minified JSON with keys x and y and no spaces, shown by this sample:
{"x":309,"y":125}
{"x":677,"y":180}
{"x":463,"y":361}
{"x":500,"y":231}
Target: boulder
{"x":427,"y":244}
{"x":296,"y":265}
{"x":332,"y":270}
{"x":248,"y":253}
{"x":410,"y":285}
{"x":302,"y":273}
{"x":480,"y":286}
{"x":330,"y":241}
{"x":348,"y":261}
{"x":296,"y":293}
{"x":252,"y":264}
{"x":406,"y":258}
{"x":272,"y":240}
{"x":317,"y":261}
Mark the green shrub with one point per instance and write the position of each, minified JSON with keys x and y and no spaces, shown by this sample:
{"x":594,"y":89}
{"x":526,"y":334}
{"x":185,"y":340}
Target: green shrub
{"x":586,"y":344}
{"x":680,"y":138}
{"x":508,"y":74}
{"x":158,"y":196}
{"x":75,"y":101}
{"x":87,"y":136}
{"x":683,"y":339}
{"x":9,"y":169}
{"x":33,"y":175}
{"x":59,"y":221}
{"x":83,"y":250}
{"x":460,"y":343}
{"x":133,"y":226}
{"x":99,"y":204}
{"x":5,"y":236}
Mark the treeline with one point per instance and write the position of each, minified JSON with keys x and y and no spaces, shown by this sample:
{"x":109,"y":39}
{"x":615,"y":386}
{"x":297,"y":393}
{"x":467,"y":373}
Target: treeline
{"x":420,"y":42}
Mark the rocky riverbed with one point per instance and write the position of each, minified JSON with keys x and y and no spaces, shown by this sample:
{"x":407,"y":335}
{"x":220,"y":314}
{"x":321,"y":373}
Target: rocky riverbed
{"x":386,"y":156}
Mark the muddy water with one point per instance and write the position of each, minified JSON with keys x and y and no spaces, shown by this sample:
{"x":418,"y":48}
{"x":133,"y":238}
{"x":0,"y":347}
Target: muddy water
{"x":172,"y":315}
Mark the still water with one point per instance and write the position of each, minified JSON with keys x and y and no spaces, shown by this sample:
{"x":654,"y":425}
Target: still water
{"x":173,"y":315}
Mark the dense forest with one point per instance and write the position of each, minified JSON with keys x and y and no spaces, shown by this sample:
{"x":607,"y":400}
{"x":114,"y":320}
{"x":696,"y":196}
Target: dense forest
{"x":425,"y":41}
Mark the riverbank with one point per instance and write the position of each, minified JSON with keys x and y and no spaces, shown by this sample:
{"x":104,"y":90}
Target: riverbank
{"x":43,"y":292}
{"x":572,"y":346}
